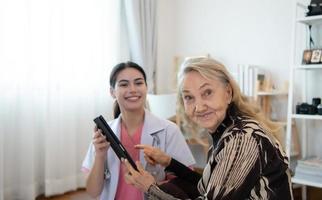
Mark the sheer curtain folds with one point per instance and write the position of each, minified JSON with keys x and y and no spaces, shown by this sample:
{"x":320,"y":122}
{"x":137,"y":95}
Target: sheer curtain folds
{"x":141,"y":22}
{"x":54,"y":60}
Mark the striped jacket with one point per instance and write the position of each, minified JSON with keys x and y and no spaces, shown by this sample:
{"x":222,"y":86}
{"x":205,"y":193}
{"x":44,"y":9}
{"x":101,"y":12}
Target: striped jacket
{"x":244,"y":162}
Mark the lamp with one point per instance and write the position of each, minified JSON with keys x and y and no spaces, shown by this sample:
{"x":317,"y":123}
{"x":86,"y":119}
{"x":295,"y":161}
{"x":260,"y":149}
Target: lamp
{"x":162,"y":105}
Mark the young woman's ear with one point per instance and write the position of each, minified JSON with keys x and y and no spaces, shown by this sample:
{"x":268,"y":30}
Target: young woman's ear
{"x":112,"y":92}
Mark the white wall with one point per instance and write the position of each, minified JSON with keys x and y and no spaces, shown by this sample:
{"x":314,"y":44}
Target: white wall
{"x":235,"y":32}
{"x":232,"y":31}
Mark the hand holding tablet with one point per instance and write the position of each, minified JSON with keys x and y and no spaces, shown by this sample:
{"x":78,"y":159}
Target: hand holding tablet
{"x":115,"y":143}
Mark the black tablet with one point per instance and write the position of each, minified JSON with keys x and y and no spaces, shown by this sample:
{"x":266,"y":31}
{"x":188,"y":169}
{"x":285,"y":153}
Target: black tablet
{"x":115,"y":143}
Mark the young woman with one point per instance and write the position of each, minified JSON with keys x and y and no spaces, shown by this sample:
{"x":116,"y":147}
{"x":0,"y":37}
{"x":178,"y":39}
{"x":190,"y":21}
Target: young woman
{"x":245,"y":160}
{"x":133,"y":125}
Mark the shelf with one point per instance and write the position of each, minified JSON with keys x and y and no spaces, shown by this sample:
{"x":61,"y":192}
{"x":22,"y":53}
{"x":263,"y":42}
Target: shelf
{"x":303,"y":181}
{"x":310,"y":66}
{"x":296,"y":146}
{"x":294,"y":154}
{"x":312,"y":20}
{"x":301,"y":116}
{"x":281,"y":123}
{"x":272,"y":93}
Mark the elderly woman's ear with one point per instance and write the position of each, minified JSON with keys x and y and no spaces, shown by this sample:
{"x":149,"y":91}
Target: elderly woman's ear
{"x":229,"y":93}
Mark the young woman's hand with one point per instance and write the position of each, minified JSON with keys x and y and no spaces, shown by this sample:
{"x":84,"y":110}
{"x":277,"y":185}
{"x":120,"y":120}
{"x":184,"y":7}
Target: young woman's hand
{"x":100,"y":143}
{"x":154,"y":155}
{"x":141,"y":179}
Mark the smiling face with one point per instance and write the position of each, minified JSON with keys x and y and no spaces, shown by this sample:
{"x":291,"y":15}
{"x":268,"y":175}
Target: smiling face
{"x":205,"y":100}
{"x":130,"y":90}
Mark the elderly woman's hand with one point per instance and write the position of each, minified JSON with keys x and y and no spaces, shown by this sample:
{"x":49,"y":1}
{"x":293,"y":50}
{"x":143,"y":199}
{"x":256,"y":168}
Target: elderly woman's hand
{"x":141,"y":179}
{"x":154,"y":155}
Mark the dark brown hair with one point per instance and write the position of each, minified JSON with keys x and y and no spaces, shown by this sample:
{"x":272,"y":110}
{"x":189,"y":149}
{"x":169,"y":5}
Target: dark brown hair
{"x":113,"y":77}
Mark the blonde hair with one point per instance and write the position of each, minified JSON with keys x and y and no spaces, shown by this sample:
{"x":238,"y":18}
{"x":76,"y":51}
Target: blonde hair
{"x":212,"y":69}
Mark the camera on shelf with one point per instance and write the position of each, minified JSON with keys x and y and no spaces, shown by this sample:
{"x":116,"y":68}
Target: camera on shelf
{"x":319,"y":107}
{"x":310,"y":109}
{"x":305,"y":108}
{"x":315,"y":8}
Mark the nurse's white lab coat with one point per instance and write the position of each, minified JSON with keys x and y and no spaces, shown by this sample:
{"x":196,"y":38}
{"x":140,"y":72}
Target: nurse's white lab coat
{"x":156,"y":132}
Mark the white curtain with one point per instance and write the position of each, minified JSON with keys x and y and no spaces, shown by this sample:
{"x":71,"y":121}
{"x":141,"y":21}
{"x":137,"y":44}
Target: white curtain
{"x":141,"y":22}
{"x":54,"y":59}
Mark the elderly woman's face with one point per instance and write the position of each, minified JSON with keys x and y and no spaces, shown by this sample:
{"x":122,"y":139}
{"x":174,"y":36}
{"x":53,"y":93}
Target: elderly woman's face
{"x":205,"y":101}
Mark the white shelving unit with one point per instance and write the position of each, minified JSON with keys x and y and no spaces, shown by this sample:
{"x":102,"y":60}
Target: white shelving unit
{"x":301,"y":22}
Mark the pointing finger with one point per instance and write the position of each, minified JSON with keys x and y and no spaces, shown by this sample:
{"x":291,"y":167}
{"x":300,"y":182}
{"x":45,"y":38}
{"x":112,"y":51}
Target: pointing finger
{"x":141,"y":146}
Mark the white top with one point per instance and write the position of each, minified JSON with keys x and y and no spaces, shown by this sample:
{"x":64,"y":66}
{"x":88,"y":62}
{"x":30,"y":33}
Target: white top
{"x":157,"y":132}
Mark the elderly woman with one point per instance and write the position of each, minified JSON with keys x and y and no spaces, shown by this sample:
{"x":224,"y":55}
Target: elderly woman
{"x":245,"y":160}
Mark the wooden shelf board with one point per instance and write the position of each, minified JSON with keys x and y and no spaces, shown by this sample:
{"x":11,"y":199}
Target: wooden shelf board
{"x":271,"y":93}
{"x":281,"y":123}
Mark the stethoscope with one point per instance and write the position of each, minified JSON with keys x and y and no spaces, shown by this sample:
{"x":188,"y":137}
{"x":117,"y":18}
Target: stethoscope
{"x":156,"y":140}
{"x":154,"y":169}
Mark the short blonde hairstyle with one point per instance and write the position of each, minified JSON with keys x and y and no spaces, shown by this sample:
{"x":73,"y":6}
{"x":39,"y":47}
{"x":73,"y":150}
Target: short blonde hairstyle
{"x":212,"y":69}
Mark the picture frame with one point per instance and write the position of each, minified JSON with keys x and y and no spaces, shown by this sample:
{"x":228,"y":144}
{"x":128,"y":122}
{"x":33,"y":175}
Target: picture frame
{"x":316,"y":56}
{"x":307,"y":54}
